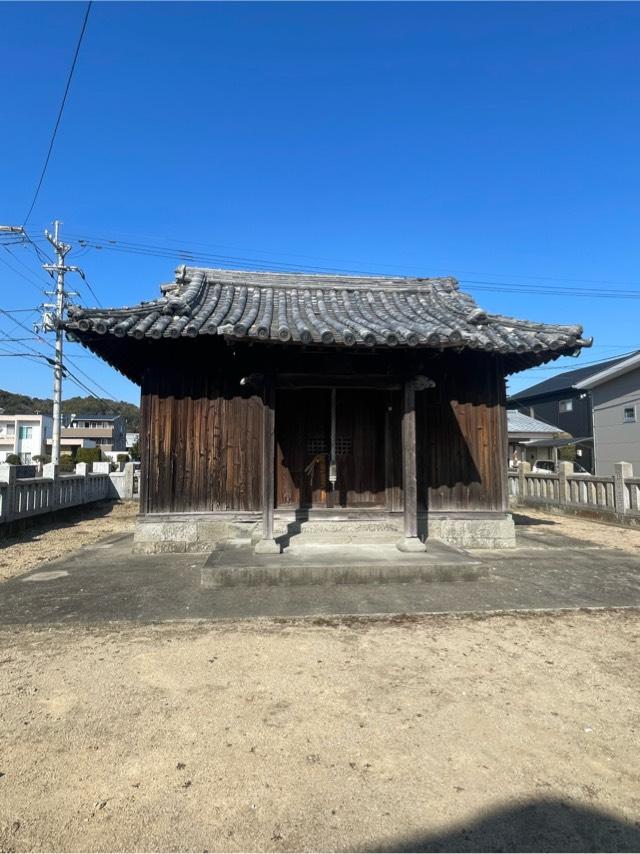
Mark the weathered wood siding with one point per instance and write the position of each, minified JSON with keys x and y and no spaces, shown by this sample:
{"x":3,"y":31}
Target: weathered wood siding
{"x":462,"y":437}
{"x":201,"y":437}
{"x":201,"y":444}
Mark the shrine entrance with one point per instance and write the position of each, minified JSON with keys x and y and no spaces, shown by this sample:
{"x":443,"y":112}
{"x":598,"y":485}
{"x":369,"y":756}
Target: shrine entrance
{"x":334,"y":447}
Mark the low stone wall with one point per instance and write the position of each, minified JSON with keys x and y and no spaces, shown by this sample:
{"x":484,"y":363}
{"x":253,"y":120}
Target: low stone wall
{"x":608,"y":499}
{"x":26,"y":497}
{"x":22,"y":498}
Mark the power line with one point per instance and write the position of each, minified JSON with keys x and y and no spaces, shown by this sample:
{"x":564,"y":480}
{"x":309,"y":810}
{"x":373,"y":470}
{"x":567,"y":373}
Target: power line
{"x":60,"y":111}
{"x":154,"y":250}
{"x":33,"y":284}
{"x":394,"y":266}
{"x":6,"y":353}
{"x":83,"y":276}
{"x":25,"y":266}
{"x":68,"y":358}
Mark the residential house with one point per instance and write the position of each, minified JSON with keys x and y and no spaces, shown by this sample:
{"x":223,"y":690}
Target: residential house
{"x":531,"y":440}
{"x":615,"y":396}
{"x":357,"y":398}
{"x":106,"y":432}
{"x":24,"y":435}
{"x":559,"y":400}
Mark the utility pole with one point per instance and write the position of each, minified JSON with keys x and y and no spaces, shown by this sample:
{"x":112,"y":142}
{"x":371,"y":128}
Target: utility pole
{"x":56,"y":324}
{"x":52,"y":320}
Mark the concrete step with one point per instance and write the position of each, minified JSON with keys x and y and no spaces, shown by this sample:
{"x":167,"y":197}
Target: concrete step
{"x":344,"y":564}
{"x":328,"y":532}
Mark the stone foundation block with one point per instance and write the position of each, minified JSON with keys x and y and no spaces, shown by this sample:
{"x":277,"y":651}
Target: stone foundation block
{"x":179,"y":535}
{"x":469,"y":533}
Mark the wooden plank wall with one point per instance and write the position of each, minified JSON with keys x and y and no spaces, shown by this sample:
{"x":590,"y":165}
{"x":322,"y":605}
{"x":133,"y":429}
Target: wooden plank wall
{"x":201,"y":442}
{"x":201,"y":445}
{"x":462,"y":430}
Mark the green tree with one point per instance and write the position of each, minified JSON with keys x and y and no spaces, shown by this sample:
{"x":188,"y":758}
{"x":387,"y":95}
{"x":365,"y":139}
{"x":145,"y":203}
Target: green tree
{"x":13,"y":460}
{"x":88,"y":455}
{"x":567,"y":454}
{"x":66,"y":463}
{"x":123,"y":458}
{"x":135,"y":451}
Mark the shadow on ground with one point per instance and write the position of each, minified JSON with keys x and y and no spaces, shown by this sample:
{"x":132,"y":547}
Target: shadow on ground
{"x":523,"y":519}
{"x":26,"y":530}
{"x":551,"y":825}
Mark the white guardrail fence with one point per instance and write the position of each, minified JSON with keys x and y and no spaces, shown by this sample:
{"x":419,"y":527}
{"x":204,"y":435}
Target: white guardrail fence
{"x":31,"y":496}
{"x":618,"y":495}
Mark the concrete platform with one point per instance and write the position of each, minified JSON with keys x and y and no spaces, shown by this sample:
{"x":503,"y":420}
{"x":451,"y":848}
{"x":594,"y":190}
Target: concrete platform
{"x":105,"y":583}
{"x":316,"y":563}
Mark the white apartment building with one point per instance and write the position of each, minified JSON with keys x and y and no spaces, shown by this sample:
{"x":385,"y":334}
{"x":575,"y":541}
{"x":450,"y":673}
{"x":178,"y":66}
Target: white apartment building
{"x":24,"y":435}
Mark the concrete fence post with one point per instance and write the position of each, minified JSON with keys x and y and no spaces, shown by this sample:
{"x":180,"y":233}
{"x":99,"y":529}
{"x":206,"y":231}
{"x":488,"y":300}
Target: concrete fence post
{"x":564,"y":469}
{"x":128,"y":481}
{"x":50,"y":471}
{"x":621,"y":471}
{"x":523,"y":469}
{"x":82,"y":469}
{"x":8,"y":476}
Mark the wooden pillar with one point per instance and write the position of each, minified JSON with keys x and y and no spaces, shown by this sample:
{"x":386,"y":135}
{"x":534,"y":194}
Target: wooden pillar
{"x":267,"y":544}
{"x":410,"y":542}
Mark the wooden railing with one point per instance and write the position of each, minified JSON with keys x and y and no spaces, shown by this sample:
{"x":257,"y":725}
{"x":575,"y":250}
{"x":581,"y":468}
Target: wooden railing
{"x":619,"y":494}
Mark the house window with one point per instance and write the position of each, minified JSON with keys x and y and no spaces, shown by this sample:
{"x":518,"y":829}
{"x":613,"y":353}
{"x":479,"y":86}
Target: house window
{"x":11,"y":431}
{"x":566,"y":406}
{"x":26,"y":459}
{"x":26,"y":432}
{"x":629,"y":414}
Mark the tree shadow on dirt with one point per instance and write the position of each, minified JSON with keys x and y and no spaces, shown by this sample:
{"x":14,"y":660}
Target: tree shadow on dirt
{"x":545,"y":825}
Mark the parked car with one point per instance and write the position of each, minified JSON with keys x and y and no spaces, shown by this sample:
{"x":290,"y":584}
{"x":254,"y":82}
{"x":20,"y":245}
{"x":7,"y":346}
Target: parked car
{"x":550,"y":466}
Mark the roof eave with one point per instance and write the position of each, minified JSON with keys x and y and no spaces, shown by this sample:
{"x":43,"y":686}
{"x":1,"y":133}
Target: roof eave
{"x":610,"y":373}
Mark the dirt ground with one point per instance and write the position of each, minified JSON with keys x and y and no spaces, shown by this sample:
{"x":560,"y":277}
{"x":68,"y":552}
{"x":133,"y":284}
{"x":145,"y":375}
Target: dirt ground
{"x":426,"y":733}
{"x":609,"y":536}
{"x":53,"y":539}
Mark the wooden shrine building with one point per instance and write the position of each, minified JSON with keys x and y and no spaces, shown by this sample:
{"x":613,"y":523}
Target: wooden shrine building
{"x":316,"y":396}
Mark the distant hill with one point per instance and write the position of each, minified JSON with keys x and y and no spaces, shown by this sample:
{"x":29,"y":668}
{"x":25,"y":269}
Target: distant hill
{"x":22,"y":403}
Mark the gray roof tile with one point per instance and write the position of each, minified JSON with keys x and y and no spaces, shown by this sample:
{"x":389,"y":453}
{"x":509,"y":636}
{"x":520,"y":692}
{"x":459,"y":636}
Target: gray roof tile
{"x":326,"y":310}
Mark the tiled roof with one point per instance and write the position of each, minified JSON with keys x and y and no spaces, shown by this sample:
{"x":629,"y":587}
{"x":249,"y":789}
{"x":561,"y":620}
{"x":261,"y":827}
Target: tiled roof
{"x":328,"y":311}
{"x":518,"y":422}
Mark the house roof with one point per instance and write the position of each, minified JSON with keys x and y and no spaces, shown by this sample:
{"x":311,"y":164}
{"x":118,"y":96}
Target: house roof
{"x":518,"y":422}
{"x":328,"y":311}
{"x":566,"y":380}
{"x":610,"y":372}
{"x":98,"y":417}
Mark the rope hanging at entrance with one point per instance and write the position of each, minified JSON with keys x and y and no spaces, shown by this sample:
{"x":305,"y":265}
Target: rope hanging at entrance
{"x":310,"y":470}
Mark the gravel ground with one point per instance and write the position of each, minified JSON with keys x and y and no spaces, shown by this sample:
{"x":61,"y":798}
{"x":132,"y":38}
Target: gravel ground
{"x":49,"y":540}
{"x":429,"y":733}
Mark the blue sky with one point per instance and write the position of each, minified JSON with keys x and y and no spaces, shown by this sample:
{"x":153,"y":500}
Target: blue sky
{"x":494,"y":142}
